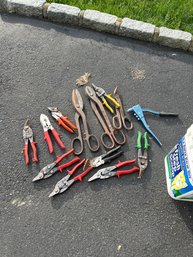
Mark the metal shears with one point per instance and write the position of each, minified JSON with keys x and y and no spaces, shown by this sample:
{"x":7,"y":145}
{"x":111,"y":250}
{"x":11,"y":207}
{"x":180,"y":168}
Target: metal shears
{"x":120,"y":119}
{"x":91,"y":139}
{"x":102,"y":94}
{"x":110,"y":135}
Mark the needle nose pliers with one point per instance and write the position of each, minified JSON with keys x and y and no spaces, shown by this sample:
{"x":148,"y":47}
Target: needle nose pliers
{"x":46,"y":127}
{"x":28,"y":136}
{"x":56,"y":114}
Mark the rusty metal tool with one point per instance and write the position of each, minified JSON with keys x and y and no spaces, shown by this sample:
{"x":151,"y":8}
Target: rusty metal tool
{"x":111,"y":136}
{"x":91,"y":139}
{"x":120,"y":119}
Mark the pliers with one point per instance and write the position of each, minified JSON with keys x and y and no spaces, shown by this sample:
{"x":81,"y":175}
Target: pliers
{"x":56,"y":114}
{"x":63,"y":184}
{"x":139,"y":114}
{"x":104,"y":158}
{"x":110,"y":171}
{"x":50,"y":169}
{"x":142,"y":156}
{"x":47,"y":126}
{"x":102,"y":94}
{"x":28,"y":136}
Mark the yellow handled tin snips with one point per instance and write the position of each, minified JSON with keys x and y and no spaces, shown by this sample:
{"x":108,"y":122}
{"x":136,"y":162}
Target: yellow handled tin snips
{"x":102,"y":94}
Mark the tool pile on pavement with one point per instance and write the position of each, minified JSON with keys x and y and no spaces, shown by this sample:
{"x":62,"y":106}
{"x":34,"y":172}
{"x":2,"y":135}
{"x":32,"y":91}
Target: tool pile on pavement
{"x":111,"y":139}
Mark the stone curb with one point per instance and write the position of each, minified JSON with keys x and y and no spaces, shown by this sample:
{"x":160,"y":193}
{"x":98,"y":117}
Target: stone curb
{"x":100,"y":21}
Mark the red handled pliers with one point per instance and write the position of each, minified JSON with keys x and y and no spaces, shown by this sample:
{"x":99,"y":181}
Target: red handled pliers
{"x":111,"y":171}
{"x":56,"y":114}
{"x":28,"y":136}
{"x":50,"y":169}
{"x":47,"y":126}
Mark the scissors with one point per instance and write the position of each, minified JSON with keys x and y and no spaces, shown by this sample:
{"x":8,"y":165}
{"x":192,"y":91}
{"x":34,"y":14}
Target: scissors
{"x":111,"y":136}
{"x":120,"y":119}
{"x":91,"y":140}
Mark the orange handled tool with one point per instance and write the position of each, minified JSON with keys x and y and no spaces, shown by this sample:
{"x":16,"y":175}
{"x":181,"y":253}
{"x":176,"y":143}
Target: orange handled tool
{"x":62,"y":120}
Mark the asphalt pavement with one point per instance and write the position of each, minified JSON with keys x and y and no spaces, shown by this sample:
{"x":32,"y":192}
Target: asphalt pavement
{"x":39,"y":64}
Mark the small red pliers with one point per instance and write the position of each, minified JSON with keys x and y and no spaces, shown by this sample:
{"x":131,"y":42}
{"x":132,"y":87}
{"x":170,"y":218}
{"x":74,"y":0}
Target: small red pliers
{"x":28,"y":136}
{"x":56,"y":114}
{"x":47,"y":126}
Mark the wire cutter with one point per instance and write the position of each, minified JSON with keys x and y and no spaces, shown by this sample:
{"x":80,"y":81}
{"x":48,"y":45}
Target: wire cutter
{"x":111,"y":171}
{"x":50,"y":169}
{"x":104,"y":158}
{"x":63,"y":184}
{"x":142,"y":157}
{"x":28,"y":136}
{"x":139,"y":114}
{"x":56,"y":114}
{"x":47,"y":126}
{"x":102,"y":94}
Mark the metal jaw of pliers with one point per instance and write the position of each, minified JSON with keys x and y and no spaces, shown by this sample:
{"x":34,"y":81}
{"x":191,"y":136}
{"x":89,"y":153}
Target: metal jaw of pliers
{"x":102,"y":94}
{"x":65,"y":183}
{"x":110,"y":171}
{"x":50,"y":169}
{"x":46,"y":127}
{"x":28,"y":136}
{"x":104,"y":158}
{"x":57,"y":115}
{"x":142,"y":155}
{"x":139,"y":114}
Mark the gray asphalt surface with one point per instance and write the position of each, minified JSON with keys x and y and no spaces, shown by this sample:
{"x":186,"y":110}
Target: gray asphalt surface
{"x":39,"y":63}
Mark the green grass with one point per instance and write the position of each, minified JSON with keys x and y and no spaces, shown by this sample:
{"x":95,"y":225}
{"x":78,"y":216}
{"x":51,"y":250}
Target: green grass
{"x":176,"y":14}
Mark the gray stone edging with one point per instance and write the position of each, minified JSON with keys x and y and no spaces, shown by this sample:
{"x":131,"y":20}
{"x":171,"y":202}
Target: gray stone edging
{"x":100,"y":21}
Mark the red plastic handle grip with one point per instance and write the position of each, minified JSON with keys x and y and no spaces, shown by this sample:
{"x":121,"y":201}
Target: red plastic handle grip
{"x":48,"y":141}
{"x":64,"y":155}
{"x":83,"y":174}
{"x":25,"y":152}
{"x":65,"y":165}
{"x":121,"y":164}
{"x":71,"y":172}
{"x":65,"y":119}
{"x":35,"y":157}
{"x":125,"y":172}
{"x":61,"y":123}
{"x":57,"y":138}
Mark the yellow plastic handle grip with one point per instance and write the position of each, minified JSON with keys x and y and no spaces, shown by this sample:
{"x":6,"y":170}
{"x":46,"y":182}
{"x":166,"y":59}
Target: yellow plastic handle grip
{"x":107,"y":105}
{"x":113,"y":100}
